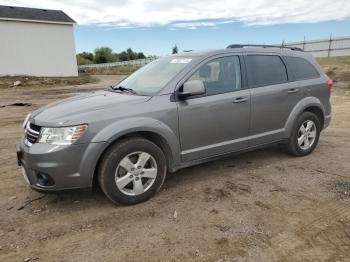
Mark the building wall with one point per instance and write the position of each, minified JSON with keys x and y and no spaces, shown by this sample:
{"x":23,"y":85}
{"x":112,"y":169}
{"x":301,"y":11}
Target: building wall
{"x":37,"y":49}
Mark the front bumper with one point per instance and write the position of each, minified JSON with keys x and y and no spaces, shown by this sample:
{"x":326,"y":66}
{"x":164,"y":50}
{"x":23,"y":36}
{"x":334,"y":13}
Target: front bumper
{"x":57,"y":168}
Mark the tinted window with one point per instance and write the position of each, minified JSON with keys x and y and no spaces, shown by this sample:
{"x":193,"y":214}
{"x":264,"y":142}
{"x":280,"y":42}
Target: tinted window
{"x":266,"y":70}
{"x":220,"y":75}
{"x":301,"y":68}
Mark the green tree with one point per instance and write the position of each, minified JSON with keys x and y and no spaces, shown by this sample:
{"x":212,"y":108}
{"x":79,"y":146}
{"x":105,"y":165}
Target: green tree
{"x":82,"y":60}
{"x":175,"y":50}
{"x":123,"y":56}
{"x":104,"y":55}
{"x":116,"y":56}
{"x":131,"y":54}
{"x":87,"y":55}
{"x":141,"y":55}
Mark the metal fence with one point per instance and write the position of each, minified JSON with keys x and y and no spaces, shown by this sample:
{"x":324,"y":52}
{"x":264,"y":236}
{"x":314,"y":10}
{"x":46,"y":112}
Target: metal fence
{"x":139,"y":62}
{"x":324,"y":48}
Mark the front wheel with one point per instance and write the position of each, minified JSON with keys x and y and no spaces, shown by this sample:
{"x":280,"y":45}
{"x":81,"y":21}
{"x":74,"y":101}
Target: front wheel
{"x":305,"y":135}
{"x":132,"y":171}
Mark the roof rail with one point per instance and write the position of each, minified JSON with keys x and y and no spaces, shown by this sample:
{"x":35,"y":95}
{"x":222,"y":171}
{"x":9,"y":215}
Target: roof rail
{"x":265,"y":46}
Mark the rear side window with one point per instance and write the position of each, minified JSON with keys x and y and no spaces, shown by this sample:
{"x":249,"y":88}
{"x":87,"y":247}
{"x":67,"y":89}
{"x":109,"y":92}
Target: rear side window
{"x":301,"y":68}
{"x":265,"y":70}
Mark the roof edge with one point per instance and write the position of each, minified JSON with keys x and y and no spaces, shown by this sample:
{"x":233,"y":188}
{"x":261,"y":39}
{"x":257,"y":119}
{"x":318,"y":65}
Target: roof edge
{"x":36,"y":21}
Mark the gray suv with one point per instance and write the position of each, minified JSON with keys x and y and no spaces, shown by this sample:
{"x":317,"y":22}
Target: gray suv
{"x":176,"y":112}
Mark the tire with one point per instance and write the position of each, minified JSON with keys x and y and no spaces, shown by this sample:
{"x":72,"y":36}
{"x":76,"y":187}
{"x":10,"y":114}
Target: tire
{"x":294,"y":147}
{"x":119,"y":176}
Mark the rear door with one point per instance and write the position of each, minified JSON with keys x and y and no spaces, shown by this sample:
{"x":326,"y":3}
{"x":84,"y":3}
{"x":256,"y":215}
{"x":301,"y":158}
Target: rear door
{"x":217,"y":122}
{"x":273,"y":96}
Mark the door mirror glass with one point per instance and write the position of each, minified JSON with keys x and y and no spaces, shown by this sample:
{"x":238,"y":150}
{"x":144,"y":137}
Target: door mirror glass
{"x":192,"y":88}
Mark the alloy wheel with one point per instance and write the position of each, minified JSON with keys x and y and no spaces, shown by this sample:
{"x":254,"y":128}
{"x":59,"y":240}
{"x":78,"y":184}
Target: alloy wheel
{"x":307,"y":135}
{"x":136,"y":173}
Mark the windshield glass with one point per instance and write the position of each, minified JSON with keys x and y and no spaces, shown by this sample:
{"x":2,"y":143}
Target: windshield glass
{"x":151,"y":78}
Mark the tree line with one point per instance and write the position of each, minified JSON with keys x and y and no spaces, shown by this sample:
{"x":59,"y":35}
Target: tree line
{"x":106,"y":55}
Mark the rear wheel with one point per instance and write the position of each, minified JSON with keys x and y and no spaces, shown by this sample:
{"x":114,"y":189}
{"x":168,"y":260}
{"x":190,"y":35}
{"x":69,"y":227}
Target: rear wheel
{"x":305,"y":135}
{"x":132,"y":171}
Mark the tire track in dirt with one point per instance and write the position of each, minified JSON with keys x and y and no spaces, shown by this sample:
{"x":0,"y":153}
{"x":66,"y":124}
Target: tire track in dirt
{"x":290,"y":244}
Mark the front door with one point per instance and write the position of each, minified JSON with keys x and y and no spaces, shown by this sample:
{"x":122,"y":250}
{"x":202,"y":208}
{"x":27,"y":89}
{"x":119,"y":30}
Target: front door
{"x":217,"y":122}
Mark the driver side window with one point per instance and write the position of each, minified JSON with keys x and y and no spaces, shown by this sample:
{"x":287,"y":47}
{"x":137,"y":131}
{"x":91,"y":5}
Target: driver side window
{"x":220,"y":75}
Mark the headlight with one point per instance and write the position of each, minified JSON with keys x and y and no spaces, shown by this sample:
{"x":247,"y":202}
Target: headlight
{"x":61,"y":135}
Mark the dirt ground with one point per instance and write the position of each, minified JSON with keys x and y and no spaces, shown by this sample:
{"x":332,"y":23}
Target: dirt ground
{"x":258,"y":206}
{"x":34,"y":82}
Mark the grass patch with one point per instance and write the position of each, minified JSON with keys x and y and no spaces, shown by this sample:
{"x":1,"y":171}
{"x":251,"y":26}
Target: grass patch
{"x":31,"y":81}
{"x":334,"y":61}
{"x":337,"y":68}
{"x":117,"y":70}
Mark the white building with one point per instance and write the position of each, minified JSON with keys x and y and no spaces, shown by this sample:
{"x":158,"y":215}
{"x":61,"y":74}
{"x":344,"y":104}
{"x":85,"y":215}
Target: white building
{"x":36,"y":42}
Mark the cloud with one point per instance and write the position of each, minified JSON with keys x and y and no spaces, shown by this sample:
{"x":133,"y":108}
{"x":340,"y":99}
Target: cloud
{"x":193,"y":14}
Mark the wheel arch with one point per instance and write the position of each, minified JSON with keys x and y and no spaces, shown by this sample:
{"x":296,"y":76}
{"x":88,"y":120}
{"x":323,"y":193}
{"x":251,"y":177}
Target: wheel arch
{"x":155,"y":131}
{"x":308,"y":104}
{"x":318,"y":112}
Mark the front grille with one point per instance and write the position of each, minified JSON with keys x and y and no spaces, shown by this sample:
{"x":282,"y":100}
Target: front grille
{"x":32,"y":133}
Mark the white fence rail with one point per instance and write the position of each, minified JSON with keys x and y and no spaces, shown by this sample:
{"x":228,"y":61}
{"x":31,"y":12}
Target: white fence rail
{"x":324,"y":48}
{"x":139,"y":62}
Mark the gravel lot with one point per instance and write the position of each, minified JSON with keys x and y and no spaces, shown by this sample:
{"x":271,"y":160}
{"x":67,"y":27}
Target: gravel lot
{"x":259,"y":206}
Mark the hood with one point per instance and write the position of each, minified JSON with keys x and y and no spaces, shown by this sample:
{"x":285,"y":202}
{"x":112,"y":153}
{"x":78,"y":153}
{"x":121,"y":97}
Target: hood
{"x":63,"y":111}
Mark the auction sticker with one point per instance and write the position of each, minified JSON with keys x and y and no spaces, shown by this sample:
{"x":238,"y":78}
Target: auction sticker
{"x":180,"y":60}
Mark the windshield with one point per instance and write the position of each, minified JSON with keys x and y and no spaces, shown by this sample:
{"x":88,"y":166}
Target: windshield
{"x":151,"y":78}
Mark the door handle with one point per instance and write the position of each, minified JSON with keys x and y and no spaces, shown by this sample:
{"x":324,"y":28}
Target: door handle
{"x":240,"y":100}
{"x":293,"y":90}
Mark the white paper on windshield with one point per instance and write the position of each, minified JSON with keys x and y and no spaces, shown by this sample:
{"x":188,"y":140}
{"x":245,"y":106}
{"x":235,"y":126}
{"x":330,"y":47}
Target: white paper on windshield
{"x":180,"y":60}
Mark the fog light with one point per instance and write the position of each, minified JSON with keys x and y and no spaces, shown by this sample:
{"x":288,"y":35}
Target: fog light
{"x":45,"y":179}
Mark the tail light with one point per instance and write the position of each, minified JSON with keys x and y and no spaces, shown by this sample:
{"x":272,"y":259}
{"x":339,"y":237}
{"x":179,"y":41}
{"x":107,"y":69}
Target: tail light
{"x":330,"y":84}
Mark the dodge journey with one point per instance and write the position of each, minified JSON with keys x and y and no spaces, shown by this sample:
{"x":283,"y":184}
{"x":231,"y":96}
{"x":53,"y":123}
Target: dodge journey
{"x":175,"y":112}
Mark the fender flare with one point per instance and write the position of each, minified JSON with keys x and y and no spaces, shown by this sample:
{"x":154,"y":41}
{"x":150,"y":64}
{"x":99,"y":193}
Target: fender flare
{"x":298,"y":109}
{"x":139,"y":124}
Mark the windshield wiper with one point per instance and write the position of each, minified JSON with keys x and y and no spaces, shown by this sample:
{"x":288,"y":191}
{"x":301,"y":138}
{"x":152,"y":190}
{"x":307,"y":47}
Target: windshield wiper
{"x":124,"y":89}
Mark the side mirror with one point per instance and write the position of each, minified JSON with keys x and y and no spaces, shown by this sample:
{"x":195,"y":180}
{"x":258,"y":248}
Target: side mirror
{"x":192,"y":88}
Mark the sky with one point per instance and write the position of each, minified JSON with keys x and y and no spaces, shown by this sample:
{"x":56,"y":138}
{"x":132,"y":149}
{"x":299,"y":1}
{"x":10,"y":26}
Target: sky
{"x":155,"y":26}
